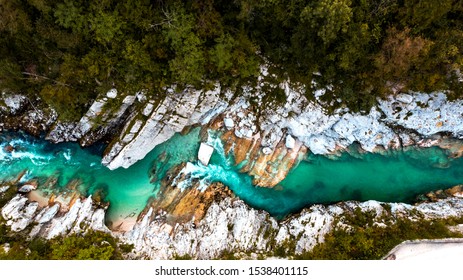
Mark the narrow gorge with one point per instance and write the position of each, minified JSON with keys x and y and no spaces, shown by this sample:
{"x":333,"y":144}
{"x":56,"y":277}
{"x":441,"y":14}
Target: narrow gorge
{"x":279,"y":172}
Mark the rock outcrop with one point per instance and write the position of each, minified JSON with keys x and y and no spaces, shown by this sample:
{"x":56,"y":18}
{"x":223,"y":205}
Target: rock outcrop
{"x":19,"y":112}
{"x":103,"y":119}
{"x":229,"y":225}
{"x":205,"y":153}
{"x":181,"y":205}
{"x":267,"y":138}
{"x":159,"y":121}
{"x":268,"y":166}
{"x":177,"y":227}
{"x":232,"y":226}
{"x":49,"y":221}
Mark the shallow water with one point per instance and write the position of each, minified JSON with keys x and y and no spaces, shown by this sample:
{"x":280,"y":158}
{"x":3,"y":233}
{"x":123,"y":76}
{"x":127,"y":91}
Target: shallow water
{"x":396,"y":176}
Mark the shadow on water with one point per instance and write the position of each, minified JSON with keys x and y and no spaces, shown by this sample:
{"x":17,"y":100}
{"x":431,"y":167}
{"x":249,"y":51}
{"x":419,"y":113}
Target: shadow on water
{"x":357,"y":195}
{"x":318,"y":186}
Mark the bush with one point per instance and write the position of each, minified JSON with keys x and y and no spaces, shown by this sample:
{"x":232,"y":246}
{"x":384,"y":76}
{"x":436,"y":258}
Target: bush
{"x":93,"y":245}
{"x":365,"y":242}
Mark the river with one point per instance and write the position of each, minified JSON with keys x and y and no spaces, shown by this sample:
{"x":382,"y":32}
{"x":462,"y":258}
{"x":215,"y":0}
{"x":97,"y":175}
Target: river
{"x":392,"y":176}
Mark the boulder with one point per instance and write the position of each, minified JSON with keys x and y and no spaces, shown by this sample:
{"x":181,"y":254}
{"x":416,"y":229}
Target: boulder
{"x":4,"y":188}
{"x":27,"y":188}
{"x":112,"y":93}
{"x":177,"y":111}
{"x":205,"y":153}
{"x":404,"y":98}
{"x":290,"y":142}
{"x":267,"y":150}
{"x":8,"y":148}
{"x":229,"y":124}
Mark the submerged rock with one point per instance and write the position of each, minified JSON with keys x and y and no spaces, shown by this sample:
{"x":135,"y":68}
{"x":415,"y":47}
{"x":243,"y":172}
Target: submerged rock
{"x":180,"y":205}
{"x":268,"y":166}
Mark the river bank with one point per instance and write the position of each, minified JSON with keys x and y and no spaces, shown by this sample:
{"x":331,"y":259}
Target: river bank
{"x":264,"y":144}
{"x":228,"y":226}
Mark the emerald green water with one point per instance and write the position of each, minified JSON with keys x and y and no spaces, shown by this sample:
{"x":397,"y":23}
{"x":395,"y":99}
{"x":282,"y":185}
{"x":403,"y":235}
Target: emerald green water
{"x":127,"y":190}
{"x":397,"y":176}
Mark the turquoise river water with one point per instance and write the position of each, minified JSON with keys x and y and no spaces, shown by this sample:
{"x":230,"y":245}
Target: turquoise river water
{"x":397,"y":176}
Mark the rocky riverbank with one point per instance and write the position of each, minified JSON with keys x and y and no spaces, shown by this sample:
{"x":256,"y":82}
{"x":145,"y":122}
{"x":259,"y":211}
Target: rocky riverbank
{"x":226,"y":226}
{"x":268,"y":138}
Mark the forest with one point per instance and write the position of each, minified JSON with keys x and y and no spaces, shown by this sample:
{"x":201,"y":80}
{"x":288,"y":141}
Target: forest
{"x":68,"y":51}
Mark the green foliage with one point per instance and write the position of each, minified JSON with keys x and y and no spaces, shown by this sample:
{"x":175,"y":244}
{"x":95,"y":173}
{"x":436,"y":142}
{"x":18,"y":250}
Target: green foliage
{"x":328,"y":17}
{"x":93,"y":245}
{"x":188,"y":61}
{"x":7,"y":195}
{"x":62,"y":97}
{"x":366,"y":240}
{"x":227,"y":255}
{"x":357,"y":48}
{"x":183,"y":257}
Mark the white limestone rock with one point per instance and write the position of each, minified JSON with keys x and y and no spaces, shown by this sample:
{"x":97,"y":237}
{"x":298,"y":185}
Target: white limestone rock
{"x":267,"y":151}
{"x":209,"y":106}
{"x":304,"y":120}
{"x":290,"y":142}
{"x":428,"y":114}
{"x":172,"y":115}
{"x":12,"y":209}
{"x":228,"y":225}
{"x":148,"y":109}
{"x":19,"y":213}
{"x":85,"y":213}
{"x":63,"y":224}
{"x":158,"y":240}
{"x":25,"y":218}
{"x":311,"y":225}
{"x":112,"y":93}
{"x":47,"y":214}
{"x":205,"y":153}
{"x":320,"y":144}
{"x":4,"y":189}
{"x":6,"y":247}
{"x":27,"y":188}
{"x":136,"y":235}
{"x":62,"y":132}
{"x":404,"y":98}
{"x":229,"y":124}
{"x":97,"y":221}
{"x":14,"y":102}
{"x":245,"y":132}
{"x":366,"y":130}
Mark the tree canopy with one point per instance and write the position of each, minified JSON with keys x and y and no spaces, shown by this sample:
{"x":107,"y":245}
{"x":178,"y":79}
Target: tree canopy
{"x":67,"y":51}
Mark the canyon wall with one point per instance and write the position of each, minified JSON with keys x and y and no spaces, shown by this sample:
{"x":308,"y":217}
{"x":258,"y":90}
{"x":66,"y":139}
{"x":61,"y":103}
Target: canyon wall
{"x":268,"y":139}
{"x":227,"y":225}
